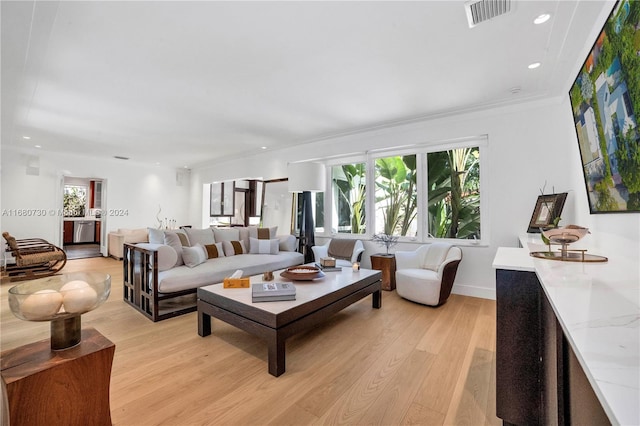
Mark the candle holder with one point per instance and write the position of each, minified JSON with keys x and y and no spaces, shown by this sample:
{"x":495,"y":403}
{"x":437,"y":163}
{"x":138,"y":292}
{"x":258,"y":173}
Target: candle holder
{"x":61,"y":300}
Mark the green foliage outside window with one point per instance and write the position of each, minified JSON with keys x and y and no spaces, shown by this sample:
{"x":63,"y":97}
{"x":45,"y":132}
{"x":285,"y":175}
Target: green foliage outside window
{"x":74,"y":200}
{"x":454,"y":193}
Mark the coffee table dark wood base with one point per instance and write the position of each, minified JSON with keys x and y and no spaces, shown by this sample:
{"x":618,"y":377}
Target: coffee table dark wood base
{"x":276,"y":329}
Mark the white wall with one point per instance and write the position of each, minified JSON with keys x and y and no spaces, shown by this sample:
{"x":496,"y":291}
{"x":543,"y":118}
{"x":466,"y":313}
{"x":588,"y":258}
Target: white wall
{"x":135,"y":192}
{"x":528,"y":145}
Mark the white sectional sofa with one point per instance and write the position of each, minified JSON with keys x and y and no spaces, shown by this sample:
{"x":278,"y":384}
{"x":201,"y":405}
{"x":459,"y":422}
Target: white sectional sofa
{"x":161,"y":277}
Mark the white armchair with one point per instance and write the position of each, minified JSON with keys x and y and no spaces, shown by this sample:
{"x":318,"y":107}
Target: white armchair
{"x":426,"y":275}
{"x":341,"y":249}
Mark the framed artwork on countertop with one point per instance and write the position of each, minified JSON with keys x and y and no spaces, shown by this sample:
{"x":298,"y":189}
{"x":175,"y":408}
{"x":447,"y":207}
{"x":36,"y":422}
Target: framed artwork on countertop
{"x":548,"y":208}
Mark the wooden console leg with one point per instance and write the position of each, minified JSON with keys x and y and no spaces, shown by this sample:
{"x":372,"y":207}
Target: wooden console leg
{"x":69,"y":387}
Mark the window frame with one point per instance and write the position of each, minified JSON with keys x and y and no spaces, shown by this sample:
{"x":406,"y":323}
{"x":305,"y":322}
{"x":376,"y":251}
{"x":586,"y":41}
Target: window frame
{"x":420,"y":150}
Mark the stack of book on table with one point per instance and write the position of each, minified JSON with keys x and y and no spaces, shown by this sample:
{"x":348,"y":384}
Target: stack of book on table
{"x":272,"y":292}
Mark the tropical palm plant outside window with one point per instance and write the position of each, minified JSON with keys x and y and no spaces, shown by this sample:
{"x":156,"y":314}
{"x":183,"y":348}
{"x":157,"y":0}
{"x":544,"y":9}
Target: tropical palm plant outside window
{"x":454,"y":193}
{"x":396,"y":195}
{"x":348,"y":182}
{"x":410,"y":195}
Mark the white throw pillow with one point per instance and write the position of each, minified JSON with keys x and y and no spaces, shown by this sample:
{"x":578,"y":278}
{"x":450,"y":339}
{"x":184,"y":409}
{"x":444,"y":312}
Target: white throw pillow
{"x":194,"y":256}
{"x":167,"y":256}
{"x":200,"y":236}
{"x":264,"y":246}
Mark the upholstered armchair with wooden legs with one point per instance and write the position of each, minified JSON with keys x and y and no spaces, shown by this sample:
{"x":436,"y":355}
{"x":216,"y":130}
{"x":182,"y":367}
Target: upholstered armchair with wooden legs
{"x":426,"y":275}
{"x":345,"y":251}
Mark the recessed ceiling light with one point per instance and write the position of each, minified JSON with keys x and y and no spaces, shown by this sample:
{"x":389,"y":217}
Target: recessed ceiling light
{"x":264,"y":147}
{"x":534,"y":65}
{"x":26,"y":137}
{"x":542,"y":19}
{"x":38,"y":146}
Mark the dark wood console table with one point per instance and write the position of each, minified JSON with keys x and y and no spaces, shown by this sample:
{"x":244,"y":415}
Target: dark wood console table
{"x":69,"y":387}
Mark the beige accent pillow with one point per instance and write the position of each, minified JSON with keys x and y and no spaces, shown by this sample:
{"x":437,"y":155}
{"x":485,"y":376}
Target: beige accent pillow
{"x":263,"y":233}
{"x":231,"y":248}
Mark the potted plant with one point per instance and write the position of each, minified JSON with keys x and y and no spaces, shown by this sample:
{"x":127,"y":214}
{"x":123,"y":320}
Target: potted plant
{"x":386,"y":240}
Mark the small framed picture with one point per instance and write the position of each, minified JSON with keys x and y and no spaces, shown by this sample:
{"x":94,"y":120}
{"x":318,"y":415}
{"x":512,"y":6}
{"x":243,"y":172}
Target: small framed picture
{"x":548,"y":208}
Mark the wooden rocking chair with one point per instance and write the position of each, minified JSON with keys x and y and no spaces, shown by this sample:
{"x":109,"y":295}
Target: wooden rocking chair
{"x":34,"y":258}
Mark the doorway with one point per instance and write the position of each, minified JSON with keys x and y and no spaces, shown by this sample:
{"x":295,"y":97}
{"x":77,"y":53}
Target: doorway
{"x":83,"y":221}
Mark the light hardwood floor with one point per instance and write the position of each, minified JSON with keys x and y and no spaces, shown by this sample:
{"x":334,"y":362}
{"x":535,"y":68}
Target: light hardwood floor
{"x":402,"y":364}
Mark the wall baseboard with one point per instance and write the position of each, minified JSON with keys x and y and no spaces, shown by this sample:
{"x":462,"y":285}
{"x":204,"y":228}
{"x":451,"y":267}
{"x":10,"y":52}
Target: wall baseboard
{"x":474,"y":291}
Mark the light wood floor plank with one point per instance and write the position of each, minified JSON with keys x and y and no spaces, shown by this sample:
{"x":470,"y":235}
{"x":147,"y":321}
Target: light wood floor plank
{"x":402,"y":364}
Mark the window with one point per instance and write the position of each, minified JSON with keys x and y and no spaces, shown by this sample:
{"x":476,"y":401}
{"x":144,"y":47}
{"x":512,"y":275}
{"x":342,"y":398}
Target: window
{"x":396,"y":195}
{"x":74,"y":200}
{"x":415,"y":193}
{"x":454,"y":193}
{"x":348,"y":186}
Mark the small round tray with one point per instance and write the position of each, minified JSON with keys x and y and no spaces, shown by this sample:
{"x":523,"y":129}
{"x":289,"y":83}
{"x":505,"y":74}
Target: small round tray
{"x":291,"y":273}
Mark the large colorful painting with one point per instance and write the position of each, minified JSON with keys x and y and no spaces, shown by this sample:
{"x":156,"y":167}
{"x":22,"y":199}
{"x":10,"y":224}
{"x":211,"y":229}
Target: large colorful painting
{"x":605,"y":99}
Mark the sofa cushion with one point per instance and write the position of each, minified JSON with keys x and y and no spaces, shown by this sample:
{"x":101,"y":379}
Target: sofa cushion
{"x":194,"y":256}
{"x":200,"y":236}
{"x":214,"y":250}
{"x":215,"y":270}
{"x":226,"y":234}
{"x":156,"y":236}
{"x":171,"y":239}
{"x":232,"y":248}
{"x":287,"y":242}
{"x":167,"y":256}
{"x":261,"y":246}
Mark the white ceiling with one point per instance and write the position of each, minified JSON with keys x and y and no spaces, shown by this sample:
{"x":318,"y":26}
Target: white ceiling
{"x":182,"y":83}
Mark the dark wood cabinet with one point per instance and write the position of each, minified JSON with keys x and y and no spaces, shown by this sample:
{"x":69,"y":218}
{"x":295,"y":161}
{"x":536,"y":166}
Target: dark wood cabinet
{"x":539,"y":380}
{"x":518,"y":389}
{"x":67,"y":235}
{"x":98,"y":231}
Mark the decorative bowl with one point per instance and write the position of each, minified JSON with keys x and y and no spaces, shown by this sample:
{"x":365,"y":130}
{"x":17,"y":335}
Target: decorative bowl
{"x":566,"y":235}
{"x":59,"y":296}
{"x":302,"y":273}
{"x":61,"y":300}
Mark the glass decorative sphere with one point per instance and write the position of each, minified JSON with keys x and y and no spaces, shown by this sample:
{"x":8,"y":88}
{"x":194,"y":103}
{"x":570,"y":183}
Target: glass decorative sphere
{"x":60,"y":296}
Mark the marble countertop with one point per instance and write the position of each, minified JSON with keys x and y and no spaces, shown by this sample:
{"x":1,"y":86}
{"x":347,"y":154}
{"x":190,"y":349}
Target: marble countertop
{"x":598,"y":307}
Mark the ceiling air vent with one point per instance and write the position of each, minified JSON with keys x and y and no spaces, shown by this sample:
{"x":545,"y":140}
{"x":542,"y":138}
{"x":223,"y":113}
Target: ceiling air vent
{"x":482,"y":10}
{"x":120,"y":157}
